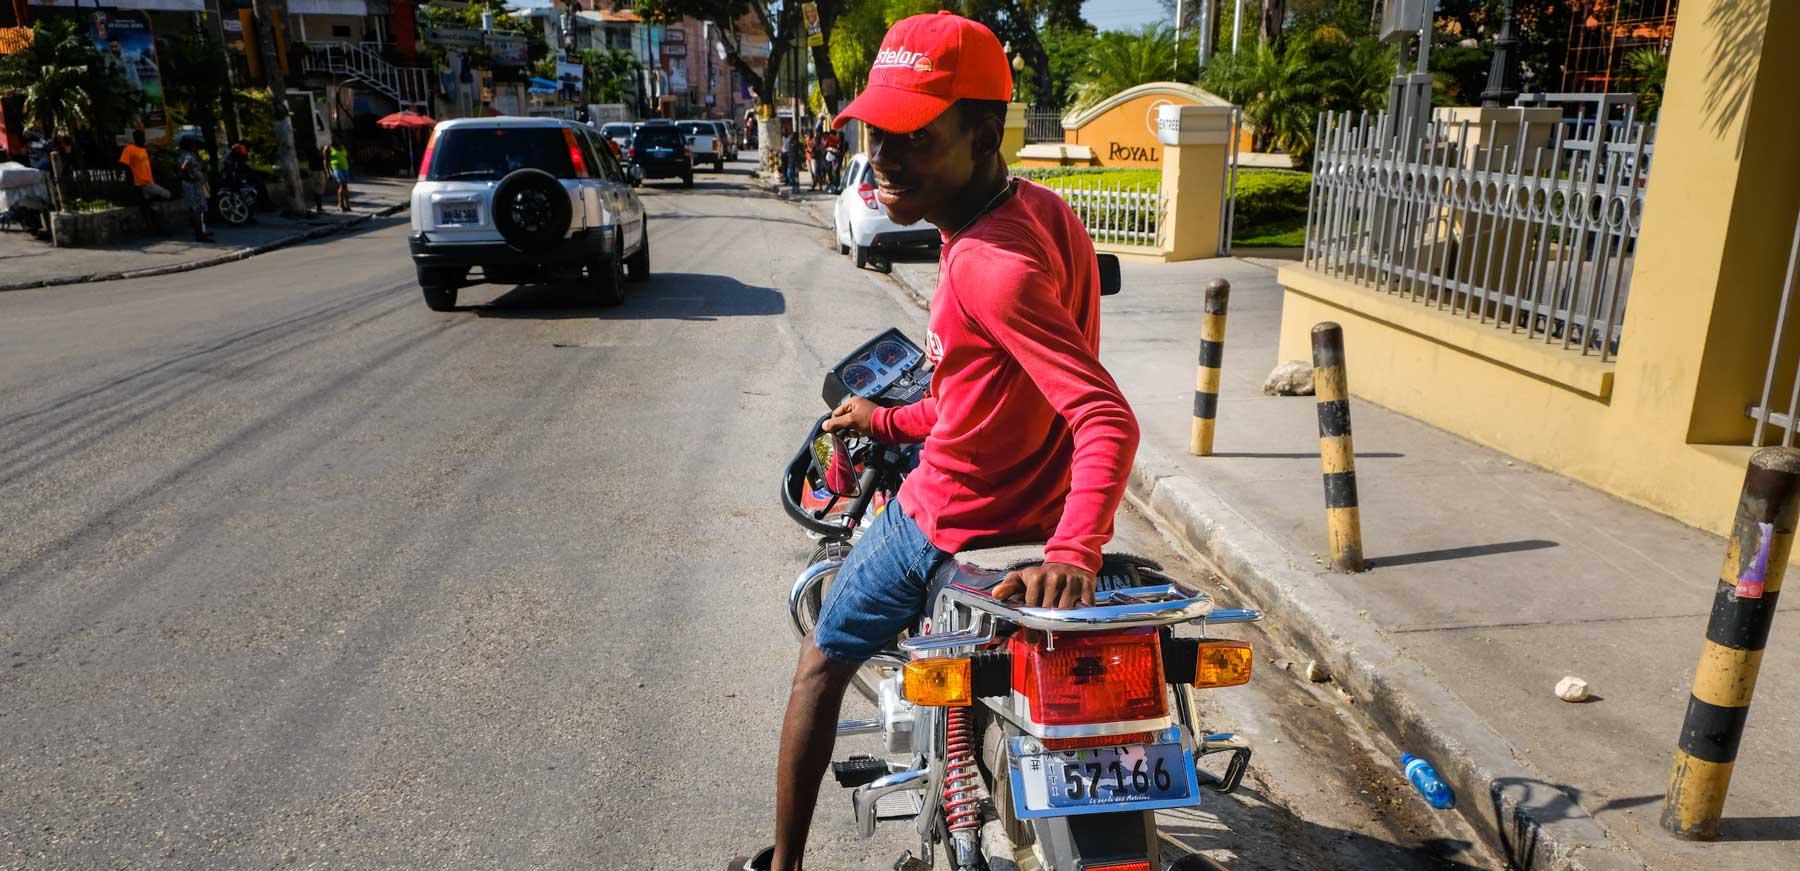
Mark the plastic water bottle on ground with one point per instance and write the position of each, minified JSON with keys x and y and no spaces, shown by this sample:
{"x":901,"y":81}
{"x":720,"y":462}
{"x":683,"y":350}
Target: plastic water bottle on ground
{"x":1425,"y":779}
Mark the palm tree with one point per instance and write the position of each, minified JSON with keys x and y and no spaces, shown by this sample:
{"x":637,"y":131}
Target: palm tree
{"x":1280,"y":89}
{"x":64,"y":83}
{"x":1651,"y":69}
{"x":1124,"y":60}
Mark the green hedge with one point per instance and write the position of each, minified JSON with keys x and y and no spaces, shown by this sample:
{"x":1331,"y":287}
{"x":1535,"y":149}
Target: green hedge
{"x":1271,"y":196}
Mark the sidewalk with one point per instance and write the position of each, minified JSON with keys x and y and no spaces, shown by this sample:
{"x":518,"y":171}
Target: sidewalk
{"x":1490,"y":580}
{"x":27,"y":262}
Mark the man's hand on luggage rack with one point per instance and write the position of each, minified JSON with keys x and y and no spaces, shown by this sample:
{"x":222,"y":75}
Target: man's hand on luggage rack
{"x":1050,"y":585}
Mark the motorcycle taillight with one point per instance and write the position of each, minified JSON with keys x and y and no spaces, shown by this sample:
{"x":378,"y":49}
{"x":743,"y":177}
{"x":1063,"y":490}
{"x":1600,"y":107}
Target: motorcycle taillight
{"x":1089,"y":677}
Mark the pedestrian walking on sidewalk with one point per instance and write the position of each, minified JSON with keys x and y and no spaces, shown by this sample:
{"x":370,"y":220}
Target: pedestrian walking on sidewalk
{"x":148,"y":191}
{"x":193,"y":187}
{"x":337,"y":159}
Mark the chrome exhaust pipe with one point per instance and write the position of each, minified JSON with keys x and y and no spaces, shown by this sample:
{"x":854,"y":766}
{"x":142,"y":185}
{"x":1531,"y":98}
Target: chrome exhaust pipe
{"x":863,"y":798}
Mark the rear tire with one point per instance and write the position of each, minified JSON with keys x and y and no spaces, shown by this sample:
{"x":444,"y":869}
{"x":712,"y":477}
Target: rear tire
{"x":843,"y":249}
{"x":439,"y":298}
{"x":606,"y":275}
{"x":637,"y":267}
{"x":719,"y":165}
{"x":687,"y":181}
{"x":862,"y":256}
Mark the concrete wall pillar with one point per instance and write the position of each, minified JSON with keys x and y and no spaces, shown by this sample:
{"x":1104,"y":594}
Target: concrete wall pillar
{"x":1194,"y":140}
{"x":1014,"y":139}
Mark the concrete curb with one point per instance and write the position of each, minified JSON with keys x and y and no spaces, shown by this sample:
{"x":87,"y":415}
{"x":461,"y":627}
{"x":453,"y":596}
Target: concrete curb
{"x":214,"y":260}
{"x":1527,"y":819}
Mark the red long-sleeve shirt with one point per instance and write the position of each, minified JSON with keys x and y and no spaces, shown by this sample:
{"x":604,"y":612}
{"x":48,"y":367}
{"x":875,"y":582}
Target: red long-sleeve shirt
{"x":1026,"y":435}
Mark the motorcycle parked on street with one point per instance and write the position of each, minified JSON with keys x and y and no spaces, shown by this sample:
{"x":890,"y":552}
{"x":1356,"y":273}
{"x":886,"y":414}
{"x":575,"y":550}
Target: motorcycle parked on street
{"x":1014,"y":737}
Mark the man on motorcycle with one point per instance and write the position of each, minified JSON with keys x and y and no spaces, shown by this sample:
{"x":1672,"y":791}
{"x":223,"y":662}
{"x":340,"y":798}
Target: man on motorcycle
{"x":1026,"y":436}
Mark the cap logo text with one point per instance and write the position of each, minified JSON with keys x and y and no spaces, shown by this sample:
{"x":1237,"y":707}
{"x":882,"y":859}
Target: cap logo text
{"x":901,"y":58}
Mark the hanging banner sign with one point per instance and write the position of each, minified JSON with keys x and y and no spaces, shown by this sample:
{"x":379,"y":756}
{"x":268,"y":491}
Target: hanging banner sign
{"x":127,"y":45}
{"x":815,"y":32}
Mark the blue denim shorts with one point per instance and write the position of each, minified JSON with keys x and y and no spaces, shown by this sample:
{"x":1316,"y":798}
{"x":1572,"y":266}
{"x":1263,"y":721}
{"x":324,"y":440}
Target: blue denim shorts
{"x":879,"y":591}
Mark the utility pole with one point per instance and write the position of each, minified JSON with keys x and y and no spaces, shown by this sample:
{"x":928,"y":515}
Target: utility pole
{"x":1178,"y":17}
{"x":1237,"y":24}
{"x":266,"y":10}
{"x":22,"y":12}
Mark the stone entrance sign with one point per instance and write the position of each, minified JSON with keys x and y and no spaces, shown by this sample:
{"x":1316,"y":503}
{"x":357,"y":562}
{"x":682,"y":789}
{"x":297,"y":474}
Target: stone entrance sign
{"x":1119,"y":131}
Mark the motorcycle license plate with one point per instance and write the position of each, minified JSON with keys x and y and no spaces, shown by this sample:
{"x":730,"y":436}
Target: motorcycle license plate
{"x":457,"y":215}
{"x":1103,"y":780}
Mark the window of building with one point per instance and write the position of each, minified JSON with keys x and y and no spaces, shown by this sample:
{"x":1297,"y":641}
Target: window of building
{"x":340,"y":31}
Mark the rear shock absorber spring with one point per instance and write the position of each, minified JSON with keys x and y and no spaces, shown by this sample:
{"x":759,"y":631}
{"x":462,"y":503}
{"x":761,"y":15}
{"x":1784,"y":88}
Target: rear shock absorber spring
{"x":963,"y":789}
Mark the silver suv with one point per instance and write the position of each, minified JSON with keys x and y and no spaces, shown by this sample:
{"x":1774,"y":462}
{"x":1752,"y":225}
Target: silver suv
{"x":523,"y":200}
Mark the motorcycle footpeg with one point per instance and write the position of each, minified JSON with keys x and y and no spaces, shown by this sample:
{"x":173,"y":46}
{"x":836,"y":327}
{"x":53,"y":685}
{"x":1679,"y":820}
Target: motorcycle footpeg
{"x":858,"y":770}
{"x":908,"y":862}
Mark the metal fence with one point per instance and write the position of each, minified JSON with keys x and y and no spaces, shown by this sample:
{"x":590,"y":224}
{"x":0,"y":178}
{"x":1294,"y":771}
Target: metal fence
{"x":1764,"y":415}
{"x":112,"y":184}
{"x":1043,"y":125}
{"x":1114,"y":213}
{"x":1526,"y":228}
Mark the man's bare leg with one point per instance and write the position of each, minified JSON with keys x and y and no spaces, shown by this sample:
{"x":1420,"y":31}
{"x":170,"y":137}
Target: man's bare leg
{"x":807,"y":736}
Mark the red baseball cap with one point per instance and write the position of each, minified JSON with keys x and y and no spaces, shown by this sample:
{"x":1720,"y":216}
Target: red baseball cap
{"x":927,"y":62}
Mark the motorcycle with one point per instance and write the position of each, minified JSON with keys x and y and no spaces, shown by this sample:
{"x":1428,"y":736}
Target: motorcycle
{"x":1015,"y":736}
{"x":235,"y":197}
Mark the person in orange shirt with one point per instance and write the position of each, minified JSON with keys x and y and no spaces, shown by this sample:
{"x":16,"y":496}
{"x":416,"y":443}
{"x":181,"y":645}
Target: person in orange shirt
{"x":135,"y":157}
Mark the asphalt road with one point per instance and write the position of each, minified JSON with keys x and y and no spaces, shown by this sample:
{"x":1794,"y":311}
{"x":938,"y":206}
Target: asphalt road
{"x":295,"y":573}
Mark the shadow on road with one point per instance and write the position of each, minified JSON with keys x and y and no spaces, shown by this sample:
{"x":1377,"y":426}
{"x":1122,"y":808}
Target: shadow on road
{"x":686,"y":296}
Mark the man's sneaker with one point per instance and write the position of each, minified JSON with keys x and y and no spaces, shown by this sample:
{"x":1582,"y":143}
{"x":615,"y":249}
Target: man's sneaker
{"x":762,"y":861}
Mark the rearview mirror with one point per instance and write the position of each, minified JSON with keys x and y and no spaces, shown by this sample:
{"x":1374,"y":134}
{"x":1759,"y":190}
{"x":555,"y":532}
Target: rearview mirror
{"x":1110,"y":280}
{"x":839,"y":470}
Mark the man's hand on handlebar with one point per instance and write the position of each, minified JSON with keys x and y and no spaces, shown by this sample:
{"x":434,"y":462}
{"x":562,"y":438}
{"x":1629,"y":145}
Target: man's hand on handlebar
{"x":855,"y":417}
{"x":1050,"y":585}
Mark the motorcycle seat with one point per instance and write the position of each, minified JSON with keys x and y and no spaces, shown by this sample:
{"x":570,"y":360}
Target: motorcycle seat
{"x":984,"y":568}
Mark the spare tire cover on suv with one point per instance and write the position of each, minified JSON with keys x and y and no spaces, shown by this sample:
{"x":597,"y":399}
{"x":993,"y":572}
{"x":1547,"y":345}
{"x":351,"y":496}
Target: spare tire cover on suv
{"x":531,"y":210}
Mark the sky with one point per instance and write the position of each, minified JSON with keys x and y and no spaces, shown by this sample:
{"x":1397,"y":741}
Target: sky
{"x":1122,"y":14}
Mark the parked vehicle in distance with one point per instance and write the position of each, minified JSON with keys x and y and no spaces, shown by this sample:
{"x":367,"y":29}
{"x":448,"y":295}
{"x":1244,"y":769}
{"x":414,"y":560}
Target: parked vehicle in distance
{"x":863,"y":227}
{"x":522,"y":200}
{"x":662,"y":151}
{"x":704,"y":139}
{"x":620,"y":133}
{"x":727,"y":138}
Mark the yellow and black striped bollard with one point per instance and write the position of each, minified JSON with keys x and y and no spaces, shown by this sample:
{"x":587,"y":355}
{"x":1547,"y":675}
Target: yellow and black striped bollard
{"x":1206,"y":378}
{"x":1331,"y":388}
{"x":1743,"y":607}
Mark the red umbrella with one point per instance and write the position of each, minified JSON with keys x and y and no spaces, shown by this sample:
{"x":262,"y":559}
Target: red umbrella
{"x":400,"y":120}
{"x":407,"y":121}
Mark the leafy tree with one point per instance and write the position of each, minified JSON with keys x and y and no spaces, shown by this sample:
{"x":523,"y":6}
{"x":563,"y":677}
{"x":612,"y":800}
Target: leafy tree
{"x":779,"y":24}
{"x":64,"y":83}
{"x":1068,"y":49}
{"x":1122,"y":60}
{"x":194,"y":80}
{"x":1017,"y":23}
{"x":607,"y":74}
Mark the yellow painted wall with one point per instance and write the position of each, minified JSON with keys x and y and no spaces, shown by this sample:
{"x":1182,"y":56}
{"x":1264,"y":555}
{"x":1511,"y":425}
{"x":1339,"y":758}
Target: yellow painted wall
{"x":1668,"y":430}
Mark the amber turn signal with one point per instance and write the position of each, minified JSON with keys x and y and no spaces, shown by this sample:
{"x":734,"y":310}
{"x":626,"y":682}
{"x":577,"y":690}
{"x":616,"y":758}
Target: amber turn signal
{"x":939,"y":682}
{"x":1222,"y":664}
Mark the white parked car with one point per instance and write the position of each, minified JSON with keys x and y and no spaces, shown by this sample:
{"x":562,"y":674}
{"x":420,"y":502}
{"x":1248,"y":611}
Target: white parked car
{"x":703,"y":138}
{"x":863,"y":227}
